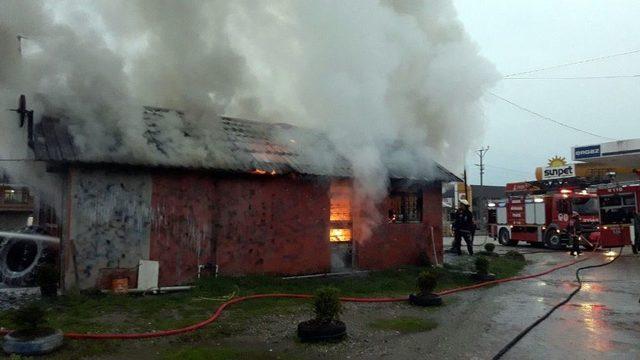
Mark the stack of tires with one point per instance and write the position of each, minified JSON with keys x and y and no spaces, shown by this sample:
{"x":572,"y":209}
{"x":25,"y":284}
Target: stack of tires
{"x":20,"y":258}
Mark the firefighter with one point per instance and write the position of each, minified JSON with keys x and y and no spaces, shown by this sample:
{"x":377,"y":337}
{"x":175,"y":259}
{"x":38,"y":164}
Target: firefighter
{"x":463,"y":228}
{"x":636,"y":226}
{"x":575,"y":231}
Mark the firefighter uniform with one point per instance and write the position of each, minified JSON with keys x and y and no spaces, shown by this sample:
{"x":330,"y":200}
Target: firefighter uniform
{"x":576,"y":231}
{"x":636,"y":228}
{"x":463,"y":228}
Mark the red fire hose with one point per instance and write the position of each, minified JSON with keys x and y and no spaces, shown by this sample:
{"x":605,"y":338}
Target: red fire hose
{"x":224,"y":305}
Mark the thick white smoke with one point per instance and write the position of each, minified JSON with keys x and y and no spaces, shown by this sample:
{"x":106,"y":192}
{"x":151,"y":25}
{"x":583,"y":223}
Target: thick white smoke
{"x":370,"y":74}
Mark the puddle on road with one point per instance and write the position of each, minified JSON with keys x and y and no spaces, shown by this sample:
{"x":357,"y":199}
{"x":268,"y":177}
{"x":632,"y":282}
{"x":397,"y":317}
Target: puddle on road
{"x":592,"y":288}
{"x":592,"y":316}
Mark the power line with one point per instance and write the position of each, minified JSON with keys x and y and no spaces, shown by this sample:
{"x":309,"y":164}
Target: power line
{"x":548,"y":118}
{"x":574,"y":63}
{"x":508,"y":169}
{"x":19,"y":160}
{"x":575,"y":77}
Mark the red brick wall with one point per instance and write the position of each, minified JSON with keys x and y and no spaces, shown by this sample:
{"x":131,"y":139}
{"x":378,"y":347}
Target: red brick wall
{"x":182,"y":227}
{"x":272,"y":225}
{"x":245,"y":225}
{"x":392,"y":245}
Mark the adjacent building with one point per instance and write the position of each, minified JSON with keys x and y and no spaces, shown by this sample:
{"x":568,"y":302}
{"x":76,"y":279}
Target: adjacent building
{"x":482,"y":196}
{"x":16,"y":206}
{"x":602,"y":162}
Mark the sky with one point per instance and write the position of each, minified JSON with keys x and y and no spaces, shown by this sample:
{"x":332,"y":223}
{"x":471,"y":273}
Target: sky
{"x":521,"y":35}
{"x":514,"y":35}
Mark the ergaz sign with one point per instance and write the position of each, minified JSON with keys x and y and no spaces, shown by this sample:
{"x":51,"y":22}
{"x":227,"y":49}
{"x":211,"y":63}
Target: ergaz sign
{"x":559,"y":172}
{"x":586,"y":152}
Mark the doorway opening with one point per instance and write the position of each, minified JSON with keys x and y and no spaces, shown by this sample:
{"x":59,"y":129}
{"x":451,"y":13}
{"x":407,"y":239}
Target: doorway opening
{"x":341,"y":226}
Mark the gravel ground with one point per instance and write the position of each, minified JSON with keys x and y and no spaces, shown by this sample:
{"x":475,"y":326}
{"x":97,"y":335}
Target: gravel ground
{"x":13,"y":297}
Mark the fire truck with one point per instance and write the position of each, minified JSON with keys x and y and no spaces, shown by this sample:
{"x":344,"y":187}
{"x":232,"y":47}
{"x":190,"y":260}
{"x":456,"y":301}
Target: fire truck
{"x":619,"y":215}
{"x":539,"y":215}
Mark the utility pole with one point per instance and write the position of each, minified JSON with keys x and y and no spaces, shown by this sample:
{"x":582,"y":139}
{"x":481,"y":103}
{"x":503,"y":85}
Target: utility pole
{"x":481,"y":153}
{"x":20,"y":38}
{"x":466,"y":187}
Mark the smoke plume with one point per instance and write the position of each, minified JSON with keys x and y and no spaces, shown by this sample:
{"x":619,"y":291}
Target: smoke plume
{"x":397,"y":79}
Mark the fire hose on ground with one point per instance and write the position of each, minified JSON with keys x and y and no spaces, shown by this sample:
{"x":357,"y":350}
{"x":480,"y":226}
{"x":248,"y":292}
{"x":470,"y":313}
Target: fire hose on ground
{"x":223,"y":306}
{"x":544,"y":317}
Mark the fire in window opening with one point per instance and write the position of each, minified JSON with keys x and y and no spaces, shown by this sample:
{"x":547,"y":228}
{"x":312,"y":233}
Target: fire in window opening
{"x":405,"y":207}
{"x":340,"y":235}
{"x":340,"y":211}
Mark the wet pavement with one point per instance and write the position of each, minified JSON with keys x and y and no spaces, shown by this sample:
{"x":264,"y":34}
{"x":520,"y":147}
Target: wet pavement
{"x":601,"y":321}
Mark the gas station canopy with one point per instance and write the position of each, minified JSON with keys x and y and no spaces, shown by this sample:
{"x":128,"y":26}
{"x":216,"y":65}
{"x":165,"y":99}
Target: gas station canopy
{"x":622,"y":154}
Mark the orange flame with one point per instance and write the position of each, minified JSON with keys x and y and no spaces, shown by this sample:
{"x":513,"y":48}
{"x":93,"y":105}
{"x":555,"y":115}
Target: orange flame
{"x":263,"y":172}
{"x":339,"y":235}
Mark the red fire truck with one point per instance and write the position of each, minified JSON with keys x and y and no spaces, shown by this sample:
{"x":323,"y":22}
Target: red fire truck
{"x":535,"y":215}
{"x":619,"y":215}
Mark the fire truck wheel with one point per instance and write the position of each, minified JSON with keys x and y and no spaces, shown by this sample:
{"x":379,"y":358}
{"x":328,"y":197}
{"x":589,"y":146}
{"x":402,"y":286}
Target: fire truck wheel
{"x":553,"y":240}
{"x":505,"y":239}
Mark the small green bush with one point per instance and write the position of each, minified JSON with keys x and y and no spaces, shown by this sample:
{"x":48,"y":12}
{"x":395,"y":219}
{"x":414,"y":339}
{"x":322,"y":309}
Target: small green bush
{"x":326,"y":304}
{"x":513,"y":254}
{"x":489,"y":247}
{"x":482,"y":265}
{"x":427,"y":282}
{"x":29,"y":317}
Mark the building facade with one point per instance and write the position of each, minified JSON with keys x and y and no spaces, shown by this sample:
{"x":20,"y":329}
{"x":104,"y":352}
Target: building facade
{"x":234,"y":224}
{"x":261,"y":206}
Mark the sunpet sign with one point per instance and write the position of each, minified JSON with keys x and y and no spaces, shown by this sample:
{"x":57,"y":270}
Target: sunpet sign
{"x":559,"y":172}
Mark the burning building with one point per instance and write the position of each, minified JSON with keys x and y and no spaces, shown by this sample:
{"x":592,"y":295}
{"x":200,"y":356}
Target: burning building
{"x":266,"y":199}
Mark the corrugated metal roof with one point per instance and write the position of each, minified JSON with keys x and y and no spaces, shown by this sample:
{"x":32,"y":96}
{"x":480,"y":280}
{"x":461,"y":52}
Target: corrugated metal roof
{"x":229,"y":144}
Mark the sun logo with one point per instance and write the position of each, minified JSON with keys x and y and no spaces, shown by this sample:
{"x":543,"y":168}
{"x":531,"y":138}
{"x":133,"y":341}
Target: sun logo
{"x":557,"y":161}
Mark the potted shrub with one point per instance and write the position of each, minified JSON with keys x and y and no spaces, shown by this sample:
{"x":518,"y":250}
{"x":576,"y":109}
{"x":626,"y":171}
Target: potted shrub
{"x":47,"y":278}
{"x":488,"y":250}
{"x":32,"y":336}
{"x":427,"y":282}
{"x":482,"y":270}
{"x":325,"y":326}
{"x":489,"y":247}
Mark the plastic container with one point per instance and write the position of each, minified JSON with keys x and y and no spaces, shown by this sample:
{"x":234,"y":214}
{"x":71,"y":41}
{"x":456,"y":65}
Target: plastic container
{"x":120,"y":285}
